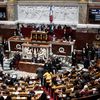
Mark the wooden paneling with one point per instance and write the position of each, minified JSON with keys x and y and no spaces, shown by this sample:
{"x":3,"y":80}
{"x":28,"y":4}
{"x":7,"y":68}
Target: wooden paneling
{"x":56,"y":49}
{"x":16,"y":43}
{"x":80,"y":37}
{"x":26,"y":31}
{"x":83,"y":38}
{"x":16,"y":46}
{"x":6,"y":33}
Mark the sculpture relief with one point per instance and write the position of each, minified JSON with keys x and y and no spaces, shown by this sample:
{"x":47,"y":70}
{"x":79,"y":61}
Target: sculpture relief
{"x":40,"y":14}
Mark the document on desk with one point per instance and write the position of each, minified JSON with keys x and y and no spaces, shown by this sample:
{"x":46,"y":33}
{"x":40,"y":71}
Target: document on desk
{"x":38,"y":92}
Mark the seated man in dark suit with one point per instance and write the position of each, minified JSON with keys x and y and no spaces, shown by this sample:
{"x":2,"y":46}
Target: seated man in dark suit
{"x":8,"y":96}
{"x":1,"y":96}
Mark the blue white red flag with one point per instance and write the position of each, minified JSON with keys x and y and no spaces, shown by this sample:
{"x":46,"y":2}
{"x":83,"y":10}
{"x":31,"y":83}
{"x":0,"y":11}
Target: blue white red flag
{"x":51,"y":15}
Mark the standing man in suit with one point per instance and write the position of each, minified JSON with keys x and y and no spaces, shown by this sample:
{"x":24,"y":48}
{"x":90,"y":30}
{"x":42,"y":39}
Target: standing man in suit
{"x":1,"y":59}
{"x":87,"y":50}
{"x":83,"y":54}
{"x":92,"y":53}
{"x":74,"y":62}
{"x":86,"y":62}
{"x":66,"y":35}
{"x":40,"y":72}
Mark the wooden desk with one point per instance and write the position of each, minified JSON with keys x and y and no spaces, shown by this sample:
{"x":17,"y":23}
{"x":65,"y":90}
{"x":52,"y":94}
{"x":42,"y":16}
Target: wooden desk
{"x":58,"y":87}
{"x":15,"y":43}
{"x":19,"y":98}
{"x":62,"y":48}
{"x":29,"y":67}
{"x":59,"y":47}
{"x":20,"y":93}
{"x":22,"y":98}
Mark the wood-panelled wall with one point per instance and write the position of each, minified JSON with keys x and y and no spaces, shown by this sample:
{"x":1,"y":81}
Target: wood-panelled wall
{"x":6,"y":33}
{"x":81,"y":38}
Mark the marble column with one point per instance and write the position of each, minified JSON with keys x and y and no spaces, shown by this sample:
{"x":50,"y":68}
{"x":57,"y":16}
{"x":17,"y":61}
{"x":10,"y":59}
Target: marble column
{"x":83,"y":12}
{"x":35,"y":52}
{"x":9,"y":46}
{"x":47,"y":53}
{"x":11,"y":9}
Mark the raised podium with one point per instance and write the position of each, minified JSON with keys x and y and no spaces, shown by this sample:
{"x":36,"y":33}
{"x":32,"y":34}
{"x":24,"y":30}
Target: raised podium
{"x":39,"y":36}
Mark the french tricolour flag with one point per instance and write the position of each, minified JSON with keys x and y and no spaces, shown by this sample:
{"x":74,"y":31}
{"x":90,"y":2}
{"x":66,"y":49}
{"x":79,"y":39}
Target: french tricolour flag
{"x":51,"y":15}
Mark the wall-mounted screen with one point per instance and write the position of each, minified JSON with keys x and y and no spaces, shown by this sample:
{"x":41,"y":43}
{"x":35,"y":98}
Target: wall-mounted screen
{"x":3,"y":13}
{"x":95,"y":0}
{"x":94,"y":15}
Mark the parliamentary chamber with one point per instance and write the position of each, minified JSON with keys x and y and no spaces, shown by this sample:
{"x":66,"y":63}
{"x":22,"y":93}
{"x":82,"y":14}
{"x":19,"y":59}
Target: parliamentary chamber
{"x":78,"y":15}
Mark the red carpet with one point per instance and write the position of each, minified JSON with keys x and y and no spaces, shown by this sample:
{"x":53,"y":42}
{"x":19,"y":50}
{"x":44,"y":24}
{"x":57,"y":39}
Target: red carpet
{"x":48,"y":94}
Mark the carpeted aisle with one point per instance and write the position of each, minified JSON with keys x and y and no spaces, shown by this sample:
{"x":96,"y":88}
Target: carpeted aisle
{"x":48,"y":94}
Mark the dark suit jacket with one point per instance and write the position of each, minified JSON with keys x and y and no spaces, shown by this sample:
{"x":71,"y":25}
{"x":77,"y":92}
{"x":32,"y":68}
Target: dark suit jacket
{"x":43,"y":96}
{"x":1,"y":98}
{"x":1,"y":57}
